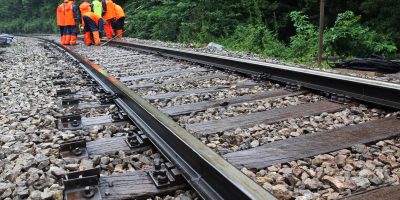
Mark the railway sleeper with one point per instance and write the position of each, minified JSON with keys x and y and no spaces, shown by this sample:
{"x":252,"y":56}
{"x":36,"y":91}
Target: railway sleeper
{"x":77,"y":122}
{"x":68,"y":92}
{"x":163,"y":179}
{"x":382,"y":193}
{"x":201,"y":106}
{"x":75,"y":103}
{"x":135,"y":69}
{"x":148,"y":85}
{"x":198,"y":91}
{"x":267,"y":117}
{"x":161,"y":74}
{"x":79,"y":148}
{"x":291,"y":149}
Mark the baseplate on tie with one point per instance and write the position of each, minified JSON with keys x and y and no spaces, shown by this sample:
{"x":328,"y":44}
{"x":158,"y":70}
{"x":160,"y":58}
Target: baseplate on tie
{"x":137,"y":140}
{"x":69,"y":102}
{"x":82,"y":185}
{"x":71,"y":122}
{"x":166,"y":175}
{"x":74,"y":149}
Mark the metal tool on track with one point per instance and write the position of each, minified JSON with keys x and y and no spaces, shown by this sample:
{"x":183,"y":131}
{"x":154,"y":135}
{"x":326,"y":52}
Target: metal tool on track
{"x":113,"y":38}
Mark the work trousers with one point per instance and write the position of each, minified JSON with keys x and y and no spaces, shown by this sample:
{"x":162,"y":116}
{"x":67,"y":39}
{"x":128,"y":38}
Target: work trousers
{"x":119,"y":24}
{"x":91,"y":26}
{"x":108,"y":29}
{"x":91,"y":31}
{"x":71,"y":30}
{"x":62,"y":30}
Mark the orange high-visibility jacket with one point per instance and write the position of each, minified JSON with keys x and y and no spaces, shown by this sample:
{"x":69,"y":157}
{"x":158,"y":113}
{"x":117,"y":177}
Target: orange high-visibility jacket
{"x":119,"y":12}
{"x":61,"y":14}
{"x":84,"y":8}
{"x":93,"y":16}
{"x":110,"y":10}
{"x":69,"y":15}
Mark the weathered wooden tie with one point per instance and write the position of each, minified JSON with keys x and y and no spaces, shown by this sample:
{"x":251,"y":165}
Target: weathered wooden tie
{"x":87,"y":105}
{"x":77,"y":149}
{"x":117,"y":58}
{"x":267,"y":117}
{"x":111,"y":145}
{"x":138,"y":69}
{"x":89,"y":184}
{"x":201,"y":106}
{"x":78,"y":123}
{"x":385,"y":193}
{"x":314,"y":144}
{"x":161,"y":74}
{"x":136,"y":185}
{"x":197,"y":91}
{"x":180,"y":80}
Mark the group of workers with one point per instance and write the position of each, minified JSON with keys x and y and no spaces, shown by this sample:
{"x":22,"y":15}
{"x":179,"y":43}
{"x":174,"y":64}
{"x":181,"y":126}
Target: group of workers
{"x":96,"y":18}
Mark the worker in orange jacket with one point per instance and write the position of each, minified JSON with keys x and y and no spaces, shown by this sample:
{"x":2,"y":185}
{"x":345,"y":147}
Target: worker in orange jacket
{"x":71,"y":20}
{"x":109,"y":16}
{"x":61,"y":20}
{"x":93,"y":23}
{"x":84,"y":8}
{"x":119,"y":23}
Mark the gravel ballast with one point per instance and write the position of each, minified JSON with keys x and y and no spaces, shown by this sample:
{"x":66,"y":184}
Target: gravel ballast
{"x":29,"y":163}
{"x":30,"y":166}
{"x":327,"y":176}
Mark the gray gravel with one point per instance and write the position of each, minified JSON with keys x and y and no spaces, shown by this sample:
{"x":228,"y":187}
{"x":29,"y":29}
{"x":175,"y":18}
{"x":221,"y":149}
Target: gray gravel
{"x":327,"y":176}
{"x":29,"y":164}
{"x":154,"y":64}
{"x":322,"y":177}
{"x":259,"y":134}
{"x":248,"y":108}
{"x":334,"y":175}
{"x":30,"y":167}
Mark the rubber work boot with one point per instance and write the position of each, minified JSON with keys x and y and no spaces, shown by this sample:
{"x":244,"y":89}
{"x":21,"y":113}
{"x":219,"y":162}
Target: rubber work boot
{"x":86,"y":38}
{"x":73,"y":40}
{"x":62,"y":39}
{"x":108,"y":30}
{"x":96,"y":38}
{"x":67,"y":40}
{"x":119,"y":33}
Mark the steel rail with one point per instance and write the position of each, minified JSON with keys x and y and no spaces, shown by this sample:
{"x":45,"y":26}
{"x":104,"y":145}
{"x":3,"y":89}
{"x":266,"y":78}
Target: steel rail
{"x":367,"y":90}
{"x":207,"y":172}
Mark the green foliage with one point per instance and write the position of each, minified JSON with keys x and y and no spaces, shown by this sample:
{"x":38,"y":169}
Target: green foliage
{"x":156,"y":20}
{"x":304,"y":45}
{"x":257,"y":39}
{"x":28,"y":16}
{"x":185,"y":20}
{"x":349,"y":38}
{"x":382,"y":16}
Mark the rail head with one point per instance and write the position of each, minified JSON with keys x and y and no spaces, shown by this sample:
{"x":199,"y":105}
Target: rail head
{"x":208,"y":173}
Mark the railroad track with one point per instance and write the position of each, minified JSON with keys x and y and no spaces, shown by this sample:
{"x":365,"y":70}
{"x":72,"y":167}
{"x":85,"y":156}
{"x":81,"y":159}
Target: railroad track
{"x":277,"y":133}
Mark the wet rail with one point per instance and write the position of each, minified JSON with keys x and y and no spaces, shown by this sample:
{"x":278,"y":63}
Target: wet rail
{"x":184,"y":107}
